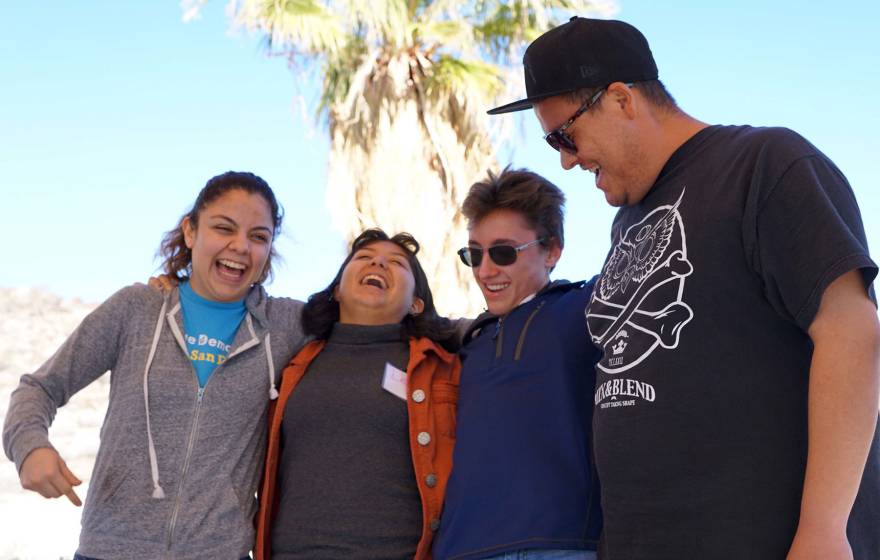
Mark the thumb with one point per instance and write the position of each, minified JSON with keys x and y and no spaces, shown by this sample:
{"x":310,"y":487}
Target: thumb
{"x":69,"y":476}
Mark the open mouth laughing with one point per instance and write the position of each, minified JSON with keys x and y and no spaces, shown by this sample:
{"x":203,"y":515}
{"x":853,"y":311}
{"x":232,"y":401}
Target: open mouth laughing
{"x":231,"y":270}
{"x":375,"y":280}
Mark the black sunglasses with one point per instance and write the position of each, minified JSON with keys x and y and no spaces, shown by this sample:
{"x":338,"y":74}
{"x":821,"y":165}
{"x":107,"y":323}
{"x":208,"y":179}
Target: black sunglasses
{"x":559,"y":139}
{"x":502,"y":255}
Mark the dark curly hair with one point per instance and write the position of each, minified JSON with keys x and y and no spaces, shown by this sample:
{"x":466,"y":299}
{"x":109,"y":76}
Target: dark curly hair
{"x":177,"y":257}
{"x":321,"y":311}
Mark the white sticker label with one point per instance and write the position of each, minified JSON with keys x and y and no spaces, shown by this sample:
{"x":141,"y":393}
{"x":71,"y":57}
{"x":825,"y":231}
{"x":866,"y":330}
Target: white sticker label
{"x":394,"y":381}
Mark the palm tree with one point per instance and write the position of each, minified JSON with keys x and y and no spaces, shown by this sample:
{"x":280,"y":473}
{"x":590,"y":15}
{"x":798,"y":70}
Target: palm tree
{"x":405,"y":87}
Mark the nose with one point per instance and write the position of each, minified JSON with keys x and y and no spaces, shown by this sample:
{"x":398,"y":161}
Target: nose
{"x":567,"y":160}
{"x":379,"y":260}
{"x":240,"y":243}
{"x":487,"y":268}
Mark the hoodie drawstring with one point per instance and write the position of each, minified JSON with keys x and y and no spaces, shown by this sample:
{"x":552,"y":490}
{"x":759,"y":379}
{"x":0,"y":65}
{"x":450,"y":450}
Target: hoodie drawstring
{"x":158,"y":493}
{"x":273,"y":392}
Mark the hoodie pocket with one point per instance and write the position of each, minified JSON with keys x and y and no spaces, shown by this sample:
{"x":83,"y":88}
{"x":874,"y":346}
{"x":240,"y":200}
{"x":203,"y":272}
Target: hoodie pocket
{"x":120,"y":508}
{"x":106,"y":488}
{"x":214,"y":513}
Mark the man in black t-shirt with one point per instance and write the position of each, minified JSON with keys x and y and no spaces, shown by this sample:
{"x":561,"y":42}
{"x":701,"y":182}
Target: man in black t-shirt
{"x":736,"y":400}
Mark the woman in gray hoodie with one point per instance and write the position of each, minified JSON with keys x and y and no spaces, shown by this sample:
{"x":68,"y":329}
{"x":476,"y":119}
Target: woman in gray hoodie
{"x":192,"y":373}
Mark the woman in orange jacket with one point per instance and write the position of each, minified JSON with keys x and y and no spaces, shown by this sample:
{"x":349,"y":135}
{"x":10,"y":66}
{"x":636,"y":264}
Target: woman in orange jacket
{"x":361,"y":437}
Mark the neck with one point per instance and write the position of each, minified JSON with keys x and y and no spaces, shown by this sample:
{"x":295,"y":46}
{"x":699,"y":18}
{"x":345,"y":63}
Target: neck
{"x":366,"y":317}
{"x":676,"y":129}
{"x":669,"y":130}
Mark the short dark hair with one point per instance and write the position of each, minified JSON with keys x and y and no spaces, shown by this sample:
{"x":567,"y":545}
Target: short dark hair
{"x":321,"y":311}
{"x":177,"y":257}
{"x":540,"y":202}
{"x":652,"y":90}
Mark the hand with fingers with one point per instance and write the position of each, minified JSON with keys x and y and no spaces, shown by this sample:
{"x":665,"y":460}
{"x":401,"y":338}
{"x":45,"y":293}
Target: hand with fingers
{"x":45,"y":472}
{"x":163,"y":282}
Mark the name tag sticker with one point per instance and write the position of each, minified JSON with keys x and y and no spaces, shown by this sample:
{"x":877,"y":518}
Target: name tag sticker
{"x":394,"y":381}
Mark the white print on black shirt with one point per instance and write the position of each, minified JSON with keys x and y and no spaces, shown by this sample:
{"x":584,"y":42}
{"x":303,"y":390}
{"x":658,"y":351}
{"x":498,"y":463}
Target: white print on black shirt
{"x":649,"y":259}
{"x":617,"y":391}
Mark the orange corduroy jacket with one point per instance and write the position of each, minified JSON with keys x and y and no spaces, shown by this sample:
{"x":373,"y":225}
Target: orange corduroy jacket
{"x":432,"y":393}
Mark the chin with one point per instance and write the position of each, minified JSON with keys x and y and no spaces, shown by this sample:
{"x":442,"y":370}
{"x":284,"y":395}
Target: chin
{"x":614,"y":199}
{"x":500,"y":308}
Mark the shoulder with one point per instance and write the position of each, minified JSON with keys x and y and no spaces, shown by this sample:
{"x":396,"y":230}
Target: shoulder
{"x":769,"y":143}
{"x":131,"y":299}
{"x":276,"y":311}
{"x":432,"y":351}
{"x":138,"y":292}
{"x":477,"y":326}
{"x":569,"y":292}
{"x":284,"y":307}
{"x":283,"y":318}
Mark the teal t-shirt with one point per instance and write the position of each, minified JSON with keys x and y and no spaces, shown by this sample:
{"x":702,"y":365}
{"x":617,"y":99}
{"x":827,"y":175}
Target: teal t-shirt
{"x":210,"y":328}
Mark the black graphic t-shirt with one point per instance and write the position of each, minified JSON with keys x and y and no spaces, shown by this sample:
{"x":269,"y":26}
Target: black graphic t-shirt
{"x":702,"y":312}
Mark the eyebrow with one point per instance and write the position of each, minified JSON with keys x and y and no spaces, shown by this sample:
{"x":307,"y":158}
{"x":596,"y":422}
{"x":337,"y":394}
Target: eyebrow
{"x":394,"y":253}
{"x":231,"y":221}
{"x":502,"y":241}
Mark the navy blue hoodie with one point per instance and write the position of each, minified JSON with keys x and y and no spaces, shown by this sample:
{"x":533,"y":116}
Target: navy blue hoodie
{"x":523,"y":475}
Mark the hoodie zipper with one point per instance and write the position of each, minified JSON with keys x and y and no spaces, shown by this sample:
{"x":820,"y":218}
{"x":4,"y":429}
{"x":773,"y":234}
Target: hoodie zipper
{"x":175,"y":329}
{"x":522,"y":335}
{"x":498,"y":336}
{"x":189,"y":448}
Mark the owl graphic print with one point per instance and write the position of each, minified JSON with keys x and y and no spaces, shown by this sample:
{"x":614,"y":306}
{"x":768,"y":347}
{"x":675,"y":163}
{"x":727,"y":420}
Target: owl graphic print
{"x":638,"y":306}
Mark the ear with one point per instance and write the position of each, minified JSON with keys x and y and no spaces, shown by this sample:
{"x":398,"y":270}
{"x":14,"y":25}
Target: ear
{"x":417,"y":306}
{"x":189,"y":232}
{"x":624,"y":99}
{"x":554,"y":252}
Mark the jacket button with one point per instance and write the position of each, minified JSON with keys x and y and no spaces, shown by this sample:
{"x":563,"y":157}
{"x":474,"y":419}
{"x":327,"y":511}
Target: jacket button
{"x":418,"y":395}
{"x":435,"y":524}
{"x":431,"y":480}
{"x":424,"y":438}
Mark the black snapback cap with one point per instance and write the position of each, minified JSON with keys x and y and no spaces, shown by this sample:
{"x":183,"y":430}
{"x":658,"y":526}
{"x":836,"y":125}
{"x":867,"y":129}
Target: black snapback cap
{"x":583,"y":53}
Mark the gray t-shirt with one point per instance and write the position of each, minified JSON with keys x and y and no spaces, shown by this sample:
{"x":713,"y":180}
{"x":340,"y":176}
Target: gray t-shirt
{"x":346,"y":483}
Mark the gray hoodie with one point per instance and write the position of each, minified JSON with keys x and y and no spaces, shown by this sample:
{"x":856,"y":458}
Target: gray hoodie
{"x":177,"y":477}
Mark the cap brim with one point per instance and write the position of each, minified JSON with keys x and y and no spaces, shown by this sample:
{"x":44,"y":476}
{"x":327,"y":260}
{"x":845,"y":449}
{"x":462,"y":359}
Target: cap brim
{"x":526,"y":103}
{"x":520,"y":105}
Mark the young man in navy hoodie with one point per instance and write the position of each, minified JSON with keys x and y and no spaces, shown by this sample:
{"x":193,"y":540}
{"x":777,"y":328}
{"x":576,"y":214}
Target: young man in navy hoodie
{"x":523,"y":483}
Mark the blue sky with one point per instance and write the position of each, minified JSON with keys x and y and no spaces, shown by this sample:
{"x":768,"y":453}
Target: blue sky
{"x":114,"y":114}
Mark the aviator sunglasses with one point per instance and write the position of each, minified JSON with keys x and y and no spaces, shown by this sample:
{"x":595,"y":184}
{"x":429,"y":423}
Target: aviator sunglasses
{"x":559,"y":139}
{"x":502,"y":255}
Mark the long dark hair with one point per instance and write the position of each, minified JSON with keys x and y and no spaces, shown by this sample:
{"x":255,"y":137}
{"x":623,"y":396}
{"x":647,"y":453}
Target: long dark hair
{"x":321,"y":311}
{"x":177,"y":257}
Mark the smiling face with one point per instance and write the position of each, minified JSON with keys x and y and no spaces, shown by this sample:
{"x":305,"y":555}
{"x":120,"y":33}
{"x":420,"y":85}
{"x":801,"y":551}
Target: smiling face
{"x":607,"y":140}
{"x":504,"y":287}
{"x":230,"y":245}
{"x":377,"y":286}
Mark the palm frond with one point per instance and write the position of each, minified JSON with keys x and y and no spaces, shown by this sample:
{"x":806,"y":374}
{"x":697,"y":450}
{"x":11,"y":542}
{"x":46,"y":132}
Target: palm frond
{"x":447,"y":35}
{"x":304,"y":26}
{"x":379,"y":22}
{"x":454,"y":74}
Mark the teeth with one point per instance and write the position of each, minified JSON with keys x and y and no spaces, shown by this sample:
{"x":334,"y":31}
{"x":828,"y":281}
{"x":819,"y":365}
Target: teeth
{"x":374,"y":277}
{"x":232,"y":264}
{"x":497,"y":287}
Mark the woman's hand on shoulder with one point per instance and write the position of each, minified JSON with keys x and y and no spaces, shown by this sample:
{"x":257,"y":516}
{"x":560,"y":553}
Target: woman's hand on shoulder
{"x":45,"y":472}
{"x":163,"y":282}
